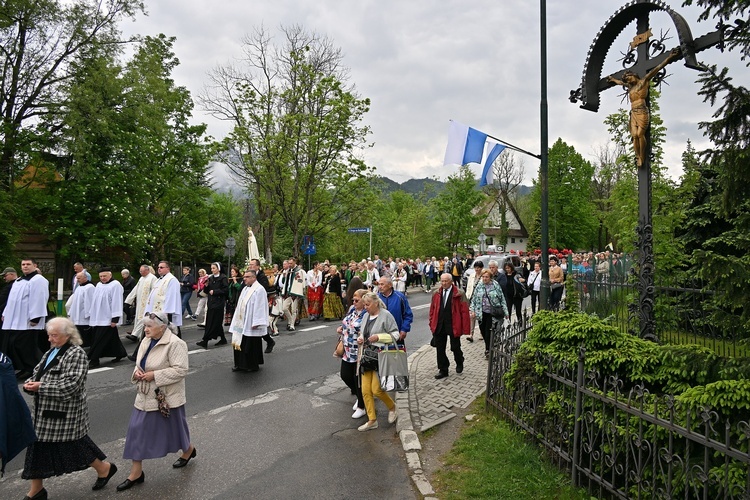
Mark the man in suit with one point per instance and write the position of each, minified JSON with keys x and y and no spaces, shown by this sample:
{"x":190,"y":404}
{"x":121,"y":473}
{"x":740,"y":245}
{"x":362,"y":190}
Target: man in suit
{"x":449,"y":319}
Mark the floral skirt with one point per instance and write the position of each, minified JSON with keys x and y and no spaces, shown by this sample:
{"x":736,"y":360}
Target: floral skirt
{"x":332,"y":306}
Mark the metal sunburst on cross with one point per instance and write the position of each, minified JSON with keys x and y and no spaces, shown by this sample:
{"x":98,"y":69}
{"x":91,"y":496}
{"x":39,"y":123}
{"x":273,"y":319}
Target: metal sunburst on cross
{"x":644,"y":61}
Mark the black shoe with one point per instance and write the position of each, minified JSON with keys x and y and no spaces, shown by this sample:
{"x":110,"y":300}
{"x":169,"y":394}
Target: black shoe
{"x":127,"y":484}
{"x":118,"y":359}
{"x":459,"y":368}
{"x":131,"y":357}
{"x":101,"y":482}
{"x":41,"y":495}
{"x":202,"y":343}
{"x":269,"y":346}
{"x":131,"y":338}
{"x":296,"y":323}
{"x":201,"y":325}
{"x":221,"y":342}
{"x":275,"y":334}
{"x":441,"y":375}
{"x":94,"y":364}
{"x":182,"y":462}
{"x":470,"y":339}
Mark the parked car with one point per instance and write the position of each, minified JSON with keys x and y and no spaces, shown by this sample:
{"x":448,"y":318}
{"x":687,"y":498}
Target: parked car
{"x":501,"y":259}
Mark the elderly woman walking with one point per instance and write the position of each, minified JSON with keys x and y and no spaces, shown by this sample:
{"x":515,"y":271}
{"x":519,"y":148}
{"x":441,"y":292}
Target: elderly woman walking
{"x":378,"y":327}
{"x":61,"y":414}
{"x":158,"y":425}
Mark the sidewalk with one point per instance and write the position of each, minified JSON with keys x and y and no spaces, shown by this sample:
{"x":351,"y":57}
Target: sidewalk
{"x":430,"y":402}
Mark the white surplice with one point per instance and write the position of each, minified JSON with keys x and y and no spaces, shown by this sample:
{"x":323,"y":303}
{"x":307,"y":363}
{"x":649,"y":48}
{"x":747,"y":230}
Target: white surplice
{"x":106,"y":303}
{"x":251,"y":314}
{"x":27,"y":300}
{"x":165,"y":297}
{"x":79,"y":304}
{"x":140,"y":294}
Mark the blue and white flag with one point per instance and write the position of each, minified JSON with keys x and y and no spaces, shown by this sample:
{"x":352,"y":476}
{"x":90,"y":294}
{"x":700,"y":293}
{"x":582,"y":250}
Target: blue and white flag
{"x":469,"y":145}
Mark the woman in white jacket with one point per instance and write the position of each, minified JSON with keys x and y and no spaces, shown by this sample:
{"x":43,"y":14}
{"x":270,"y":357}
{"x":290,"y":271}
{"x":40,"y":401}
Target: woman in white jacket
{"x":158,"y":425}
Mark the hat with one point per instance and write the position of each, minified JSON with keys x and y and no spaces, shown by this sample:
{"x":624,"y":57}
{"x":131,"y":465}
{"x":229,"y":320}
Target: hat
{"x":9,"y":270}
{"x":105,"y":269}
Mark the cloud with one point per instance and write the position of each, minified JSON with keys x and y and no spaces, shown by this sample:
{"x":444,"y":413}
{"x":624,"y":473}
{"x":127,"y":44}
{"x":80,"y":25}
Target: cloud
{"x":423,"y":63}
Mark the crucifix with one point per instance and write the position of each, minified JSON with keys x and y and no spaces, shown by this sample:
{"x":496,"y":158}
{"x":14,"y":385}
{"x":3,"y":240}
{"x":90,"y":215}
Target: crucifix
{"x":644,"y":62}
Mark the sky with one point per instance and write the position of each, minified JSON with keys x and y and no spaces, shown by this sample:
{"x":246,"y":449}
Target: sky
{"x":423,"y":63}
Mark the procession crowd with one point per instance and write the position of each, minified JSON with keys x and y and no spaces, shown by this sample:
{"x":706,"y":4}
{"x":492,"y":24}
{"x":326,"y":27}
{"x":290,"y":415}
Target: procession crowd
{"x":368,"y":299}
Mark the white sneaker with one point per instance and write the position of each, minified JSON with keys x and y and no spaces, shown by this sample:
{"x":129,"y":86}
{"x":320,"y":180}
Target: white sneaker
{"x":359,"y":413}
{"x":392,"y":416}
{"x":356,"y":404}
{"x":367,"y":426}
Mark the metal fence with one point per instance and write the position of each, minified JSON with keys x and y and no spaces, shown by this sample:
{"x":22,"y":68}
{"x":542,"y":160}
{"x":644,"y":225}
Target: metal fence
{"x":684,"y":312}
{"x":620,"y":442}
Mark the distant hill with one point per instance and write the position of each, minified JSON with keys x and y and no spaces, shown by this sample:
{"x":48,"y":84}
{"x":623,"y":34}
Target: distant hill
{"x":432,"y":186}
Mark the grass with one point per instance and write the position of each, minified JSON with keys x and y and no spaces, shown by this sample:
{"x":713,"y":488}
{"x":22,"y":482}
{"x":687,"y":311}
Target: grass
{"x":492,"y":460}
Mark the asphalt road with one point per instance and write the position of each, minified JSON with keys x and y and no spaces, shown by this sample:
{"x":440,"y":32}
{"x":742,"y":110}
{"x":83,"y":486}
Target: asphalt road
{"x":283,"y":432}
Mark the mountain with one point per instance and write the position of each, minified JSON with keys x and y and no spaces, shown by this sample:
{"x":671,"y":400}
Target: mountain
{"x":412,"y":186}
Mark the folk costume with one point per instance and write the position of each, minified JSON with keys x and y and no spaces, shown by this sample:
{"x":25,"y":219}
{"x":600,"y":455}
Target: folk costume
{"x":105,"y":310}
{"x":61,"y":416}
{"x":293,"y":292}
{"x":24,"y":319}
{"x":333,"y":308}
{"x":314,"y":294}
{"x":78,"y":306}
{"x":249,"y":325}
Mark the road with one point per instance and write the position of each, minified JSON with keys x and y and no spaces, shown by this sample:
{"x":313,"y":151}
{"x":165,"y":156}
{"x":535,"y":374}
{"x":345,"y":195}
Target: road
{"x":283,"y":432}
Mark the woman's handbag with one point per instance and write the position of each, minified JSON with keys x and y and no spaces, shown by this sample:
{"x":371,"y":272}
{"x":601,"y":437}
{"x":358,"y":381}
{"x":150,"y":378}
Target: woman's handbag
{"x":370,"y":356}
{"x":338,"y":352}
{"x":497,"y":311}
{"x":393,"y":368}
{"x":555,"y":286}
{"x":161,"y":400}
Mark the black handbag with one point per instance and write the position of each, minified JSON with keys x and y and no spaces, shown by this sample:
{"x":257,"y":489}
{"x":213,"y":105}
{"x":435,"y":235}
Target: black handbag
{"x":370,"y":358}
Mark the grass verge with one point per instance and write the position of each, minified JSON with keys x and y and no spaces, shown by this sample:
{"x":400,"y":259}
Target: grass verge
{"x":492,"y":460}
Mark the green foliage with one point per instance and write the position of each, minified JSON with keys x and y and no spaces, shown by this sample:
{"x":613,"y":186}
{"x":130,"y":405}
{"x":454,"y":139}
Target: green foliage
{"x":456,"y":222}
{"x":572,"y":217}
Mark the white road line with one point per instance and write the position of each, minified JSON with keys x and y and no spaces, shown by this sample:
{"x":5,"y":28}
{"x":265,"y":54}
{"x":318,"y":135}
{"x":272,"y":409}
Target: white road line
{"x":313,"y":328}
{"x":103,"y":369}
{"x":423,"y":306}
{"x":197,"y":350}
{"x":307,"y":346}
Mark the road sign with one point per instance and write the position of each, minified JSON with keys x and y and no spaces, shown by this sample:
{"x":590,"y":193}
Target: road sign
{"x":230,"y":242}
{"x":359,"y":229}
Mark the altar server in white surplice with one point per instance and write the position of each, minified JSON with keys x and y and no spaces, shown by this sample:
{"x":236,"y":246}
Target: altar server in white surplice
{"x":165,"y":296}
{"x":249,"y":325}
{"x":24,"y":318}
{"x":139,"y":295}
{"x":105,"y":314}
{"x":78,"y":306}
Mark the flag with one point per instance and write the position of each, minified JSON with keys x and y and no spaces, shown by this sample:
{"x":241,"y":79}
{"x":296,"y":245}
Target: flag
{"x":469,"y":145}
{"x":492,"y":150}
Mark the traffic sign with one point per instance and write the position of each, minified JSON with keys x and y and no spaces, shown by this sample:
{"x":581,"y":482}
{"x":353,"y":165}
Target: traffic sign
{"x":359,"y":229}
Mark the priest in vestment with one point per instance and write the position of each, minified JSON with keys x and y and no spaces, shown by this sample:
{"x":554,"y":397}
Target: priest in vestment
{"x":105,"y":313}
{"x":24,"y":318}
{"x":78,"y":306}
{"x":139,"y":295}
{"x":249,"y":325}
{"x":165,"y":296}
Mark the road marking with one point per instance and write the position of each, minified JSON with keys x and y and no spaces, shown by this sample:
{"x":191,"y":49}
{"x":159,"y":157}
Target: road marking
{"x":197,"y":350}
{"x":423,"y":306}
{"x":313,"y":328}
{"x":307,"y":346}
{"x":103,"y":369}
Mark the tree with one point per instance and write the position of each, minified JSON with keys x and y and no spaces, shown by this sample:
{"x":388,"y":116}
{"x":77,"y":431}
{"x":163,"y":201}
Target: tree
{"x":133,"y":182}
{"x":507,"y":175}
{"x":39,"y":40}
{"x":456,"y":222}
{"x":571,"y":211}
{"x":297,"y":130}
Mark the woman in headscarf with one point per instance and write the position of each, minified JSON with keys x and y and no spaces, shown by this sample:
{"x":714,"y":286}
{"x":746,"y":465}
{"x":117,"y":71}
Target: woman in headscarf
{"x":158,"y":425}
{"x":216,"y":289}
{"x":61,"y":414}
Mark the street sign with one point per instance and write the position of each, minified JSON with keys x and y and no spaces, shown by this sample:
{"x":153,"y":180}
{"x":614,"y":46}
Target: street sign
{"x":359,"y":229}
{"x":230,"y":243}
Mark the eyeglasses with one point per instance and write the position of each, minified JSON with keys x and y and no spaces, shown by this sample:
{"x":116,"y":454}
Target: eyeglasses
{"x":163,"y":267}
{"x":155,"y":316}
{"x":355,"y":300}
